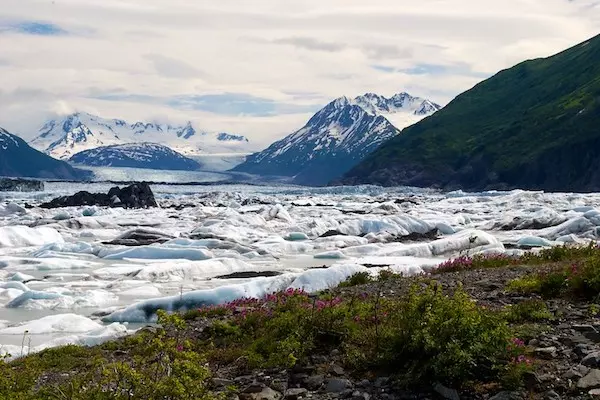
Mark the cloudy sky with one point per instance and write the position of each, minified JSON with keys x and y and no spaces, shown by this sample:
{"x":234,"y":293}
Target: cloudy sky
{"x":260,"y":67}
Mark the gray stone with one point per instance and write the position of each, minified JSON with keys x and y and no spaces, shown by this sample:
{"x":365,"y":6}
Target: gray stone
{"x":218,"y":382}
{"x":314,"y":382}
{"x":265,"y":394}
{"x":357,"y":395}
{"x":590,"y":381}
{"x":337,"y":385}
{"x":546,"y":352}
{"x":294,"y":394}
{"x":363,"y":383}
{"x":507,"y":396}
{"x":531,"y":380}
{"x":279,"y":385}
{"x":592,"y":360}
{"x":446,"y":392}
{"x":572,"y":374}
{"x":551,"y":395}
{"x":255,"y":387}
{"x":594,"y":392}
{"x":381,"y":381}
{"x":584,"y":328}
{"x":337,"y":370}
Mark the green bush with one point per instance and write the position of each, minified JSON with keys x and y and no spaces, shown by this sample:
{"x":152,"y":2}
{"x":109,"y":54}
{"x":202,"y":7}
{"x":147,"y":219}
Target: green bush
{"x":359,"y":278}
{"x":528,"y":311}
{"x":579,"y":279}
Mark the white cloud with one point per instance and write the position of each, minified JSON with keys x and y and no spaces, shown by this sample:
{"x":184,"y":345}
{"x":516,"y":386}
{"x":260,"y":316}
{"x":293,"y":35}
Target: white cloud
{"x":137,"y":59}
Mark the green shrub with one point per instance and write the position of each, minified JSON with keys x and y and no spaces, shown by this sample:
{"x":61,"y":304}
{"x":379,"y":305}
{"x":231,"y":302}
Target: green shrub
{"x":528,"y":311}
{"x":579,"y":279}
{"x":359,"y":278}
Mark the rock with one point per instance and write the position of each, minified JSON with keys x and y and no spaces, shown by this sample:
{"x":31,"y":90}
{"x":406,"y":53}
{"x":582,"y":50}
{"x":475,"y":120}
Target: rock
{"x":546,"y":352}
{"x":218,"y":382}
{"x":445,"y":392}
{"x":594,"y":392}
{"x":590,"y":381}
{"x":381,"y":381}
{"x":140,"y":237}
{"x":279,"y":385}
{"x":20,"y":185}
{"x":137,"y":195}
{"x":551,"y":395}
{"x":584,"y":328}
{"x":531,"y":380}
{"x":337,"y":385}
{"x":507,"y":396}
{"x":249,"y":274}
{"x":294,"y":394}
{"x":332,"y":233}
{"x":265,"y":394}
{"x":337,"y":370}
{"x":255,"y":387}
{"x":314,"y":382}
{"x":356,"y":395}
{"x":591,"y":360}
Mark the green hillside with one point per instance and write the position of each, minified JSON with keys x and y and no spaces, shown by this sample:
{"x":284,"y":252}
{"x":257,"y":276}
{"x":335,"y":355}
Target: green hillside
{"x":533,"y":126}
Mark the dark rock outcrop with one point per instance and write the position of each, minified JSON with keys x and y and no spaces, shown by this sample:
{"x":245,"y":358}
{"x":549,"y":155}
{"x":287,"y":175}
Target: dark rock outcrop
{"x":20,"y":185}
{"x":137,"y":195}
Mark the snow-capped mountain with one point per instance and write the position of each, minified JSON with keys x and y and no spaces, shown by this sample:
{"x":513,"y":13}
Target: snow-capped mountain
{"x":337,"y":137}
{"x":135,"y":155}
{"x":19,"y":159}
{"x":81,"y":131}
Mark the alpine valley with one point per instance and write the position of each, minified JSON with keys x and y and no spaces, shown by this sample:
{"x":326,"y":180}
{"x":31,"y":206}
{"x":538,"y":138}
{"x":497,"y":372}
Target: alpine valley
{"x":338,"y":137}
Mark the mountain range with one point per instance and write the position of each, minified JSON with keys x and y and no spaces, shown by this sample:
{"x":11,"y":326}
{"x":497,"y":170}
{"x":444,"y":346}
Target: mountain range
{"x":533,"y":126}
{"x":337,"y":137}
{"x":62,"y":138}
{"x":135,"y":155}
{"x":18,"y":159}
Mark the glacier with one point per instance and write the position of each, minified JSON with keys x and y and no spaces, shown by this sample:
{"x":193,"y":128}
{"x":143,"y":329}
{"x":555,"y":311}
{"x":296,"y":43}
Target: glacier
{"x":62,"y":279}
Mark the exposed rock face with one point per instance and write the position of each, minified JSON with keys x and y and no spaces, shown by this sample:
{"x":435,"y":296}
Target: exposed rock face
{"x":137,"y":195}
{"x":20,"y":185}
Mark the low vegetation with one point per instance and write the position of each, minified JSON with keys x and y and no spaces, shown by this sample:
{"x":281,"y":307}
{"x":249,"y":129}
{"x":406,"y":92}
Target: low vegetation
{"x":419,"y":336}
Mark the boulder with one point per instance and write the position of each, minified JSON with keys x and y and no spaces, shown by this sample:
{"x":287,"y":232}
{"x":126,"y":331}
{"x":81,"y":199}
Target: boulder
{"x":136,"y":195}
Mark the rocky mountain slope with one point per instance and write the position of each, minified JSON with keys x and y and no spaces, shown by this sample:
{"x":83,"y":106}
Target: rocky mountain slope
{"x":18,"y":159}
{"x":533,"y":126}
{"x":81,"y":131}
{"x":135,"y":155}
{"x":337,"y":137}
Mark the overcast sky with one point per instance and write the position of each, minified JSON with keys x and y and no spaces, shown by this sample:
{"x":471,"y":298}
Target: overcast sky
{"x":260,"y":67}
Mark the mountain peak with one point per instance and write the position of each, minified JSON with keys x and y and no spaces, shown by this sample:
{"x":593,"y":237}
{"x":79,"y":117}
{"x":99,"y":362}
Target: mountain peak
{"x":335,"y":138}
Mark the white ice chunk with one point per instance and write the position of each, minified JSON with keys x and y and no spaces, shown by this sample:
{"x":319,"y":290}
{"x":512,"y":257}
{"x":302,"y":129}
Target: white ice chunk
{"x":22,"y":236}
{"x":534,"y":241}
{"x":158,"y":253}
{"x":71,"y":323}
{"x":293,"y":236}
{"x":330,"y":255}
